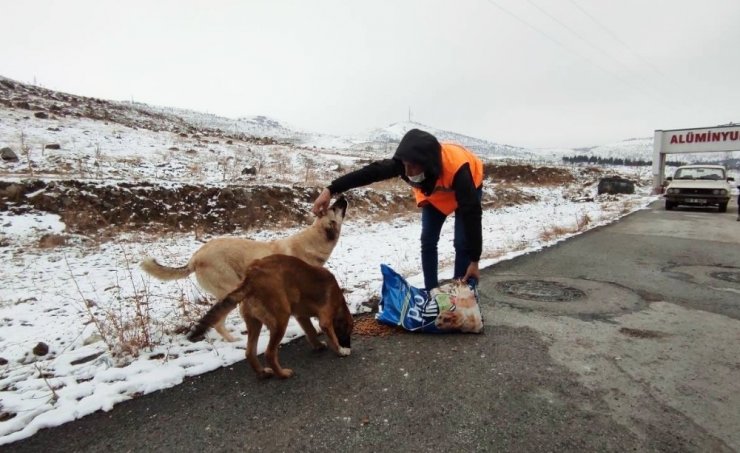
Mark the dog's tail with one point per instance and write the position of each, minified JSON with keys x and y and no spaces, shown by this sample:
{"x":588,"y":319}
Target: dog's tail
{"x":153,"y":268}
{"x":213,"y":316}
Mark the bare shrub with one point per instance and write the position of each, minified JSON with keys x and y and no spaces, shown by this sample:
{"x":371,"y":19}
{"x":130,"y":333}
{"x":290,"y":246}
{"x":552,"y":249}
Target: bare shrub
{"x":26,"y":152}
{"x":551,"y":233}
{"x":195,"y":169}
{"x":43,"y":375}
{"x":224,"y":164}
{"x":51,"y":240}
{"x":519,"y":246}
{"x":626,"y":207}
{"x":582,"y":222}
{"x":98,"y":160}
{"x":259,"y":162}
{"x":127,"y":327}
{"x":310,"y":166}
{"x":80,"y":167}
{"x":496,"y":253}
{"x":282,"y":165}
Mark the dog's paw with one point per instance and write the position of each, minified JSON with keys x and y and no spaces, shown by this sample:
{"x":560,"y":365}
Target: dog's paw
{"x":286,"y":373}
{"x":265,"y":373}
{"x":344,"y":352}
{"x":320,"y":346}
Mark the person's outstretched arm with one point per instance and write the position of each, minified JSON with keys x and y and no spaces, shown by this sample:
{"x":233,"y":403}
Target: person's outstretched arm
{"x":373,"y":172}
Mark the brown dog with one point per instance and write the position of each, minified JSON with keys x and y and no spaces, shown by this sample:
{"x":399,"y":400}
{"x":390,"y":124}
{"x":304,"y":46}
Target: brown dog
{"x":220,"y":265}
{"x":275,"y":288}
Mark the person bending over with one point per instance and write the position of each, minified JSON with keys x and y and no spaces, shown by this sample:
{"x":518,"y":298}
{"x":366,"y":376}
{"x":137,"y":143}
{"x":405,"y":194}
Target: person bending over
{"x":444,"y":178}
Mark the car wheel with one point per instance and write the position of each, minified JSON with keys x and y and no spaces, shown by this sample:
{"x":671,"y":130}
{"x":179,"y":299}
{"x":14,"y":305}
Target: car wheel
{"x":722,"y":207}
{"x":669,"y":205}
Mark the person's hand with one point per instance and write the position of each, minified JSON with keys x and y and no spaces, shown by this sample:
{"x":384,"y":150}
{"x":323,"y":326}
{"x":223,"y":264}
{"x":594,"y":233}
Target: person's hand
{"x":322,"y":203}
{"x":472,"y":272}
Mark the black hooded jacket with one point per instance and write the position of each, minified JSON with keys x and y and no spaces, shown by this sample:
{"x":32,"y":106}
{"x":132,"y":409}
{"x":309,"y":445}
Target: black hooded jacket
{"x":423,"y":148}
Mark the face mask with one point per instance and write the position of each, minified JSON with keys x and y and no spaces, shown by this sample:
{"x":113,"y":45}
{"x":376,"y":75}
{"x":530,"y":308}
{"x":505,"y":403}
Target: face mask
{"x":418,"y":178}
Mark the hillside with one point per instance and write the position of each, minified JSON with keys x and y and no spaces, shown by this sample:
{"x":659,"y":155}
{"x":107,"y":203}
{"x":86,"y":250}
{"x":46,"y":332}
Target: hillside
{"x":46,"y":117}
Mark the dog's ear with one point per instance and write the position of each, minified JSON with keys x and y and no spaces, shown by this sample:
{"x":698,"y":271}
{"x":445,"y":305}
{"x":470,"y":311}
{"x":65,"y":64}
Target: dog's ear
{"x":332,"y":231}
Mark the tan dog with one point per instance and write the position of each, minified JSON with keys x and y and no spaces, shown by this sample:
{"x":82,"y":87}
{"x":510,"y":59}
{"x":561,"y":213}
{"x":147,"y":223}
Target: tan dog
{"x":275,"y":288}
{"x":220,"y":264}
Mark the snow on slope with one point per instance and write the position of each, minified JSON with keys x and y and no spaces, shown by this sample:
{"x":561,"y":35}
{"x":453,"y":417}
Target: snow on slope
{"x":389,"y":136}
{"x":375,"y":142}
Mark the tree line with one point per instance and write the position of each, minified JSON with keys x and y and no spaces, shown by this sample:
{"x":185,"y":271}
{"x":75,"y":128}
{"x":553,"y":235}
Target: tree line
{"x":583,"y":159}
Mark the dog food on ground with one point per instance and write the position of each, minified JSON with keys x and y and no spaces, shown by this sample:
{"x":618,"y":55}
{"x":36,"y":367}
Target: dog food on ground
{"x":368,"y":326}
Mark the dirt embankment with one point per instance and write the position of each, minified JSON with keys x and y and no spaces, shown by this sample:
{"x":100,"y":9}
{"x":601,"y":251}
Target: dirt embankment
{"x":92,"y":208}
{"x":104,"y":209}
{"x":528,"y":174}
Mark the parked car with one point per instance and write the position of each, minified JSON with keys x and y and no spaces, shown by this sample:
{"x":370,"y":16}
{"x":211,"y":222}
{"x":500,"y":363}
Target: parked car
{"x":699,"y":185}
{"x":615,"y":184}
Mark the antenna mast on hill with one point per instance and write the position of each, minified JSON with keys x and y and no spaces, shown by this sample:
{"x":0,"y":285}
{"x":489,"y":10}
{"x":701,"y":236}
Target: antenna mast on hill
{"x":409,"y":114}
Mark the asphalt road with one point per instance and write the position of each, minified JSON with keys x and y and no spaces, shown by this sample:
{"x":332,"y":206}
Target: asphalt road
{"x":626,"y":337}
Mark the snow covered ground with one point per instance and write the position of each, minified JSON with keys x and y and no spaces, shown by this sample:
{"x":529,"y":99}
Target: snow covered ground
{"x":74,"y":318}
{"x":48,"y":296}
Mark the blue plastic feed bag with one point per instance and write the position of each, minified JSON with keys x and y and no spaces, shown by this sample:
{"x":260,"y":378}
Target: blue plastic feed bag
{"x":450,"y":308}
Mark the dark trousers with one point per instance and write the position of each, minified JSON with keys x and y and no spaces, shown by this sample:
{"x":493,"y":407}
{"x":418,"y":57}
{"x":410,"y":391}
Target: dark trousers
{"x":431,"y":226}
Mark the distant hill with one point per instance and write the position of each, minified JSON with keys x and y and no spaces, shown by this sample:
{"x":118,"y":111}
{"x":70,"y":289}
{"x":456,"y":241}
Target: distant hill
{"x":380,"y":141}
{"x":634,"y":149}
{"x":387,"y":138}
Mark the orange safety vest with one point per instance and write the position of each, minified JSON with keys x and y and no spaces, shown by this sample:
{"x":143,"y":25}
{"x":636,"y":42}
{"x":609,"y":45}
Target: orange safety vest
{"x":443,"y":195}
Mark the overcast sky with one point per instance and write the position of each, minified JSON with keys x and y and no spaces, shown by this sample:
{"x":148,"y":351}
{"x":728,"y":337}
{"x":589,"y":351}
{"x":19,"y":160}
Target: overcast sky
{"x":536,"y":73}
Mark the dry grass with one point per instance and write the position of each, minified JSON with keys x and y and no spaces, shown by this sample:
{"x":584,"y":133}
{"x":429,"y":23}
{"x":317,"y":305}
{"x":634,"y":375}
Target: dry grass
{"x":626,"y":207}
{"x":195,"y":169}
{"x":189,"y":311}
{"x":583,"y":222}
{"x":127,"y":327}
{"x":51,"y":240}
{"x":551,"y":233}
{"x":519,"y":246}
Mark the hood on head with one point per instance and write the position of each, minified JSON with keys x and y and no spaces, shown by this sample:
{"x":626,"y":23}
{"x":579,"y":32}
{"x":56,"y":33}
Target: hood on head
{"x":424,"y":149}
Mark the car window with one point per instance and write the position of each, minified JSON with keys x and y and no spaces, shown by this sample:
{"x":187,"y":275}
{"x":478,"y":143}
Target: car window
{"x":699,"y":173}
